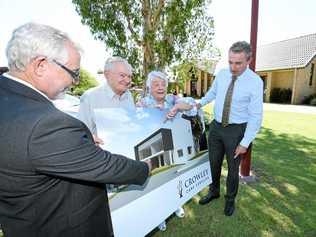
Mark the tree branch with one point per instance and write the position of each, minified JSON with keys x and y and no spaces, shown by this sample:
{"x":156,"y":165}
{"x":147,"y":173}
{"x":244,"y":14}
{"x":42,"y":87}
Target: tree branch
{"x":133,"y":33}
{"x":156,"y":15}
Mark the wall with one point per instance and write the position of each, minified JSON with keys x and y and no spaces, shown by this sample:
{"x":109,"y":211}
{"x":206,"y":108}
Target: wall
{"x":303,"y":88}
{"x":282,"y":79}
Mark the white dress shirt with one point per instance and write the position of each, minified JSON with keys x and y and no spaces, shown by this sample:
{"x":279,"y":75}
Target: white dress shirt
{"x":247,"y":101}
{"x":98,"y":98}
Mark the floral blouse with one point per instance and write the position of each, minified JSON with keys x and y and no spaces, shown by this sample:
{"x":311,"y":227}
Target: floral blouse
{"x":170,"y":100}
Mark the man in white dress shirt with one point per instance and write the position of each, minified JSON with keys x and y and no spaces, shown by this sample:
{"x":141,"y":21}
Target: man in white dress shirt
{"x":237,"y":119}
{"x":113,"y":93}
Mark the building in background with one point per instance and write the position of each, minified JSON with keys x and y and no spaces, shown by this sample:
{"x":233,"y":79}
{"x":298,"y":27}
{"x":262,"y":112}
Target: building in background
{"x":288,"y":69}
{"x":201,"y":78}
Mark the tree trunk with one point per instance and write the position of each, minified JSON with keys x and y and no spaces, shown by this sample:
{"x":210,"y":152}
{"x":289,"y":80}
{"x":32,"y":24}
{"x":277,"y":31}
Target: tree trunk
{"x":148,"y":38}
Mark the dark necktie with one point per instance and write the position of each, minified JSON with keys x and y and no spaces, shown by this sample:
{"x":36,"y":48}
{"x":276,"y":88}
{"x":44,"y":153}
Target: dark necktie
{"x":228,"y":101}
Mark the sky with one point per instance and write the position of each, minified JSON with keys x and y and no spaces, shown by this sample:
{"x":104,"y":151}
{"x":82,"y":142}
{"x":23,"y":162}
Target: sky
{"x":278,"y":20}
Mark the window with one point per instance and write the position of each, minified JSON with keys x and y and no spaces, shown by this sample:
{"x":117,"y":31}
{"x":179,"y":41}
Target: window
{"x":180,"y":152}
{"x":189,"y":150}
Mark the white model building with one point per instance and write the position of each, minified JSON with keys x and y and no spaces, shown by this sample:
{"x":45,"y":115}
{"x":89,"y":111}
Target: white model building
{"x":171,"y":144}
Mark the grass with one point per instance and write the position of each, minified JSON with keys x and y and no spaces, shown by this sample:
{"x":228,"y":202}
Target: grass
{"x":281,"y":203}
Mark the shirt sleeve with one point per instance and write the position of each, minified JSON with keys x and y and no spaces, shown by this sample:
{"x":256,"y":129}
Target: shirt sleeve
{"x":86,"y":113}
{"x":210,"y":94}
{"x":62,"y":146}
{"x":255,"y":111}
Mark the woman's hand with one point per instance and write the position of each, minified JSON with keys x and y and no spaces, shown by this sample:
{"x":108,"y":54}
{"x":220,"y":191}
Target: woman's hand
{"x":172,"y":112}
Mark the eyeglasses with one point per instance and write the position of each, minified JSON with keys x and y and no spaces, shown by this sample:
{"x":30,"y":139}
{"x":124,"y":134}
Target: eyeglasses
{"x":75,"y":74}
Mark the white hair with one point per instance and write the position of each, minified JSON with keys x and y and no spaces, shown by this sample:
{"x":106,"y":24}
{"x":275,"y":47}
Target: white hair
{"x":109,"y":63}
{"x":153,"y":75}
{"x":33,"y":40}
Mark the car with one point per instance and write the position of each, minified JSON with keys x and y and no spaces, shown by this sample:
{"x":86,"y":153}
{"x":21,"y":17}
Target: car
{"x":68,"y":104}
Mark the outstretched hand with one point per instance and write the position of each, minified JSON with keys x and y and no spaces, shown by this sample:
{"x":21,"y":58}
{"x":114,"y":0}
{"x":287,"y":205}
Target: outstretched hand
{"x":172,"y":112}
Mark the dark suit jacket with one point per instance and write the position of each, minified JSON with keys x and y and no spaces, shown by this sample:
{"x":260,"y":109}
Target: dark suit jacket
{"x":52,"y":175}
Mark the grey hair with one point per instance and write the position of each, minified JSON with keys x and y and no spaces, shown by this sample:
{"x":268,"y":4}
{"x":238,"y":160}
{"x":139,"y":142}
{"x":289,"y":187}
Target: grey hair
{"x":109,"y":63}
{"x":241,"y":46}
{"x":156,"y":74}
{"x":33,"y":40}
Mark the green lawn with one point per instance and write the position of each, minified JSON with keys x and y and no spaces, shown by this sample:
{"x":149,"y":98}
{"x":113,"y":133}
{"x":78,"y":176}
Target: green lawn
{"x":281,"y":203}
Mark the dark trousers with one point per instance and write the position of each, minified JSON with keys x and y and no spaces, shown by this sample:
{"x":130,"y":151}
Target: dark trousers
{"x":224,"y":141}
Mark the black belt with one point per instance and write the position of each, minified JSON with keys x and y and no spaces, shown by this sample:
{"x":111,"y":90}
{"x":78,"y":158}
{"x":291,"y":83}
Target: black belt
{"x":230,"y":124}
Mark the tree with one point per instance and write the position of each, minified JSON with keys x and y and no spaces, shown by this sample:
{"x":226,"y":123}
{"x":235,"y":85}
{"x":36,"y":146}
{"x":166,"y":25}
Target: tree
{"x":151,"y":34}
{"x":86,"y":81}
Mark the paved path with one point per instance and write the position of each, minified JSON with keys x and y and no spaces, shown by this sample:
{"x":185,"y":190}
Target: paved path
{"x":290,"y":108}
{"x":285,"y":108}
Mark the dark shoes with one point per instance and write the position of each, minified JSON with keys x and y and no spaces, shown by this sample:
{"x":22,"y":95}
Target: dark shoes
{"x":229,"y":208}
{"x":209,"y":197}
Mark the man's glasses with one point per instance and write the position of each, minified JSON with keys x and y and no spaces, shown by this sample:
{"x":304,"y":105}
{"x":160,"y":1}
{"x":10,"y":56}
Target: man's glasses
{"x":75,"y":74}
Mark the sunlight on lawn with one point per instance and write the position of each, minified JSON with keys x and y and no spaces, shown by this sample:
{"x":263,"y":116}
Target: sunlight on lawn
{"x":282,"y":203}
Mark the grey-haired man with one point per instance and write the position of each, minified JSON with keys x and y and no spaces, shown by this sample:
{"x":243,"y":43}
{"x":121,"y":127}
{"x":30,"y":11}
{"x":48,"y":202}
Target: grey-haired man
{"x":113,"y":93}
{"x":52,"y":174}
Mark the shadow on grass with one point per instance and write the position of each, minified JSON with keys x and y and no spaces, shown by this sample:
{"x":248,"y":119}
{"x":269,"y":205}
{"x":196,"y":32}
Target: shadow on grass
{"x":281,"y":203}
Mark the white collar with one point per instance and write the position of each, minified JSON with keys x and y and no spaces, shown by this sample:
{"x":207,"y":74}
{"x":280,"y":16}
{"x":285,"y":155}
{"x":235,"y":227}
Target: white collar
{"x":25,"y":83}
{"x":112,"y":94}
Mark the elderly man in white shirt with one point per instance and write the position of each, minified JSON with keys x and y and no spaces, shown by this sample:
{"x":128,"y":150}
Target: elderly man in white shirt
{"x":113,"y":93}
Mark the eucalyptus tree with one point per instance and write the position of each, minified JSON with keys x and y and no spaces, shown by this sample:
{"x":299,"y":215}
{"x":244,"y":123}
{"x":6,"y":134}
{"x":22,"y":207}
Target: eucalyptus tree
{"x":151,"y":34}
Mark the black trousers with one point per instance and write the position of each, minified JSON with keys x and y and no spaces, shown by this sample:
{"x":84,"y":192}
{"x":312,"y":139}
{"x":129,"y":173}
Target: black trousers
{"x":224,"y":141}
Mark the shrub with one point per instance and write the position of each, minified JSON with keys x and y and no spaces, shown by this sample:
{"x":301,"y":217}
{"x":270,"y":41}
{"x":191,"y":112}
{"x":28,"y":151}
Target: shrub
{"x":313,"y":101}
{"x":281,"y":95}
{"x":86,"y":81}
{"x":308,"y":99}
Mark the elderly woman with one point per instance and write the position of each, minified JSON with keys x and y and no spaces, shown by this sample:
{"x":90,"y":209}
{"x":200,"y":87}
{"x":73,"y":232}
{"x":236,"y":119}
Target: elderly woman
{"x":157,"y":97}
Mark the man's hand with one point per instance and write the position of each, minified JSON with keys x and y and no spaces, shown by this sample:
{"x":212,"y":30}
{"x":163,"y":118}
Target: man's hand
{"x":239,"y":151}
{"x":98,"y":141}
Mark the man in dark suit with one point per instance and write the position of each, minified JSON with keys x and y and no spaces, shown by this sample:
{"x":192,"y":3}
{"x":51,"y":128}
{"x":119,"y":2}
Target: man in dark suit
{"x":52,"y":175}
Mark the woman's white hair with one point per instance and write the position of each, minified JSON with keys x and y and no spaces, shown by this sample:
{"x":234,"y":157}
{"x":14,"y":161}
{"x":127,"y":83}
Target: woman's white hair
{"x":109,"y":63}
{"x":153,"y":75}
{"x":33,"y":40}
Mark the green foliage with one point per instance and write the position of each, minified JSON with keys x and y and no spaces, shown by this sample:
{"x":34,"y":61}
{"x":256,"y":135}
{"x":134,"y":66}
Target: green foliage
{"x":188,"y":69}
{"x":150,"y":34}
{"x":184,"y":71}
{"x":313,"y":101}
{"x":281,"y":95}
{"x":86,"y":81}
{"x":309,"y":100}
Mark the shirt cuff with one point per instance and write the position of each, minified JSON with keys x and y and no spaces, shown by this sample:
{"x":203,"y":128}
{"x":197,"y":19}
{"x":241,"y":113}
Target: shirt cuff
{"x":245,"y":143}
